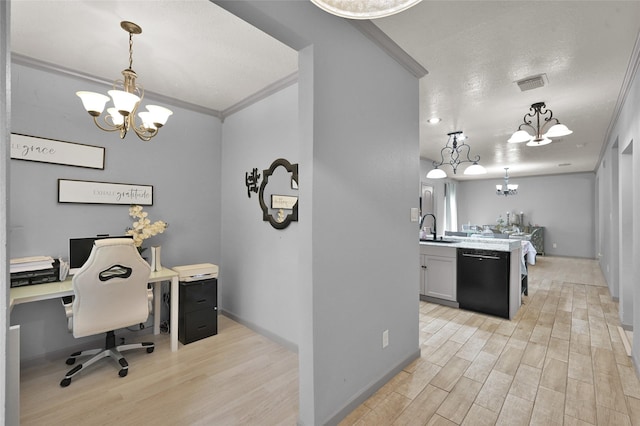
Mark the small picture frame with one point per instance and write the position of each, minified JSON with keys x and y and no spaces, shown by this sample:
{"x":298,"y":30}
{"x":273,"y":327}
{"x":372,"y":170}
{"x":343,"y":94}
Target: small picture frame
{"x":283,"y":201}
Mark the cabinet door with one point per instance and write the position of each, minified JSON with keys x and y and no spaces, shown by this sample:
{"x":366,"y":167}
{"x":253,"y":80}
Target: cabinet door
{"x":423,"y":274}
{"x":440,"y":277}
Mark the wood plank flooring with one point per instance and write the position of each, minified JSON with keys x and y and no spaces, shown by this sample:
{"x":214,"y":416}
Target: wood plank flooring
{"x":561,"y":361}
{"x":237,"y":377}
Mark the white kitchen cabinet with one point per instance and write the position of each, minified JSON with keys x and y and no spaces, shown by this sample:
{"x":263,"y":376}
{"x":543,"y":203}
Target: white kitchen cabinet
{"x":438,"y":272}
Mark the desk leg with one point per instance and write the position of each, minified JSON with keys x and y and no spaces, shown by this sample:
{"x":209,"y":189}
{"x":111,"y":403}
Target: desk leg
{"x":157,"y":306}
{"x":12,"y":415}
{"x":174,"y":314}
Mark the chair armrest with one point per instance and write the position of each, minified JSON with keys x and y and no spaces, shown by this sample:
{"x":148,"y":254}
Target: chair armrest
{"x":67,"y":303}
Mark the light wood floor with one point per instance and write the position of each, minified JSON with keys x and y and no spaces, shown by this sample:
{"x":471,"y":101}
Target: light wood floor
{"x":237,"y":377}
{"x":561,"y":361}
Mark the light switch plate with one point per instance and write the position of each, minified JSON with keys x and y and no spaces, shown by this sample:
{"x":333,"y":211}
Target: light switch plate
{"x":415,"y":214}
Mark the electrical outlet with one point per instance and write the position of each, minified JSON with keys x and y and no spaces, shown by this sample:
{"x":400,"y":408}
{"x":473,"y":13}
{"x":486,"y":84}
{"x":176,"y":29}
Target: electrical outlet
{"x":385,"y":339}
{"x":555,"y":245}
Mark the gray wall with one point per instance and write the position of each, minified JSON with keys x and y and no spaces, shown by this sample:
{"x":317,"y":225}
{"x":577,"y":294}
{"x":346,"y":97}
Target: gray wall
{"x":8,"y":406}
{"x":358,"y":162}
{"x":358,"y":153}
{"x":619,"y":208}
{"x":260,"y":273}
{"x":563,"y":204}
{"x":182,"y":163}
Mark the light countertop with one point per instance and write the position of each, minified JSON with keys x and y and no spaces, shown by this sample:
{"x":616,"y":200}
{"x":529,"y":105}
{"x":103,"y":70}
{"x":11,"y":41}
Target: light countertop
{"x":477,"y":243}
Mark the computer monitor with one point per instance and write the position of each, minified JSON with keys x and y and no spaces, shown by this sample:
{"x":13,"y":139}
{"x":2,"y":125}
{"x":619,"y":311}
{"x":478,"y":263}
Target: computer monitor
{"x":80,"y":249}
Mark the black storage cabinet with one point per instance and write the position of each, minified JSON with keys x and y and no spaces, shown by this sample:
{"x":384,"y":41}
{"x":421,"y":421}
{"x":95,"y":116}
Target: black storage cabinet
{"x":198,"y":310}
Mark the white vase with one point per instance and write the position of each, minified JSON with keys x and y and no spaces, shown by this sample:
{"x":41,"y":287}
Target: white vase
{"x":155,"y":259}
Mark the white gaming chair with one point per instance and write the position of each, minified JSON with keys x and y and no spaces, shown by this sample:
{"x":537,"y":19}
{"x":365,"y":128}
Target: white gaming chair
{"x":110,"y":292}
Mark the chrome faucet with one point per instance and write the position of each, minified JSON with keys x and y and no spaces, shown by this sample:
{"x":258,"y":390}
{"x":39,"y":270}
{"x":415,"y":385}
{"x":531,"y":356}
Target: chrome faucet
{"x":434,"y":233}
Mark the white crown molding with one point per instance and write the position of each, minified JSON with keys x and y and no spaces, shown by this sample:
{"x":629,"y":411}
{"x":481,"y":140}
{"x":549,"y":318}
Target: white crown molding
{"x":267,"y":91}
{"x":629,"y":76}
{"x":375,"y":34}
{"x":258,"y":96}
{"x":49,"y":67}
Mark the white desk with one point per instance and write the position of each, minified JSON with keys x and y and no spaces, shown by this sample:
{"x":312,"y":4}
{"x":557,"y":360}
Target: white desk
{"x":36,"y":292}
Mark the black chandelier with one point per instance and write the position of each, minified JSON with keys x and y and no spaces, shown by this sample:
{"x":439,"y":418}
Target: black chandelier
{"x":454,"y":148}
{"x":536,"y":111}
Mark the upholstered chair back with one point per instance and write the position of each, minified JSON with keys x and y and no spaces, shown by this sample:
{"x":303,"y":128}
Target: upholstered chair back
{"x":110,"y":289}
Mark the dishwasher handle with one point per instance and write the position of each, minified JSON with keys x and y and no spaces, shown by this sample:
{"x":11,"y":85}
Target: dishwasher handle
{"x":481,"y":256}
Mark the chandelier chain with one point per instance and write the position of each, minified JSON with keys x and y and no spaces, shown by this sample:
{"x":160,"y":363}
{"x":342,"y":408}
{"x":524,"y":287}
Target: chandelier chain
{"x":130,"y":50}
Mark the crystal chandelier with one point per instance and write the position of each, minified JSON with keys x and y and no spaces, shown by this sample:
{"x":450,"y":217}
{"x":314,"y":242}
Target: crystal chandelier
{"x":364,"y":9}
{"x":506,"y":188}
{"x":453,"y":151}
{"x":126,"y":96}
{"x":539,"y":109}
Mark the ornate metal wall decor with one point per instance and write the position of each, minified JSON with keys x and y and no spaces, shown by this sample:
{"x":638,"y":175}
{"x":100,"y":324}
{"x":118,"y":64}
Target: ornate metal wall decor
{"x":251,"y":181}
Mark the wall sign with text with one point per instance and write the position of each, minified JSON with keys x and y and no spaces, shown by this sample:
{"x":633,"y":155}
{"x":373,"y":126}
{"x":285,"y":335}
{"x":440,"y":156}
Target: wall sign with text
{"x":88,"y":192}
{"x":31,"y":148}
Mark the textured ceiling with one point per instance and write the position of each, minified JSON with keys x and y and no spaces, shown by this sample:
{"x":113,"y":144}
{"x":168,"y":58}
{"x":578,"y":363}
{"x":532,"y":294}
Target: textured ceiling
{"x":192,"y":50}
{"x":474,"y":51}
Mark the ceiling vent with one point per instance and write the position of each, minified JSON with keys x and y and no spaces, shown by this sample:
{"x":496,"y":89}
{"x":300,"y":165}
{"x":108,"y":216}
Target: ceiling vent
{"x":533,"y":82}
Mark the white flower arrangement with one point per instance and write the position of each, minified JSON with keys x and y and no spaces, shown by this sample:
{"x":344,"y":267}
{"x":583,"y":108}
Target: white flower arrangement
{"x":142,"y":227}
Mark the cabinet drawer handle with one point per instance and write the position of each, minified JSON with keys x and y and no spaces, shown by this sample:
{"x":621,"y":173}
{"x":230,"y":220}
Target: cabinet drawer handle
{"x":202,"y":301}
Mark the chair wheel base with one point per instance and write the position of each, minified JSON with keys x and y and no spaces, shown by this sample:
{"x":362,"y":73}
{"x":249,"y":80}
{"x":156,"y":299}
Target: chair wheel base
{"x":109,"y":351}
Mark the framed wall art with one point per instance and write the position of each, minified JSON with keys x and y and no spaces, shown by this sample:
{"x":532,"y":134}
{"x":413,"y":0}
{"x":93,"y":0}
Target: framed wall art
{"x":31,"y":148}
{"x":89,"y":192}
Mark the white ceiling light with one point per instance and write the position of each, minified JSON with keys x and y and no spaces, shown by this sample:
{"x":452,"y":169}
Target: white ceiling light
{"x":453,"y":151}
{"x":506,"y":188}
{"x":436,"y":174}
{"x":539,"y":141}
{"x":364,"y":9}
{"x":126,"y":96}
{"x":539,"y":109}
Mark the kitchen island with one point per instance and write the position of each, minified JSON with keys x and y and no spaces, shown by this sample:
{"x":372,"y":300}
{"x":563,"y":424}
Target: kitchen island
{"x":480,"y":274}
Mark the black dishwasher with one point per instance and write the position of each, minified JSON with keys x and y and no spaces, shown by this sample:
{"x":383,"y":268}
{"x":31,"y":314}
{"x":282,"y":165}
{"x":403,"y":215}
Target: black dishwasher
{"x":483,"y":281}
